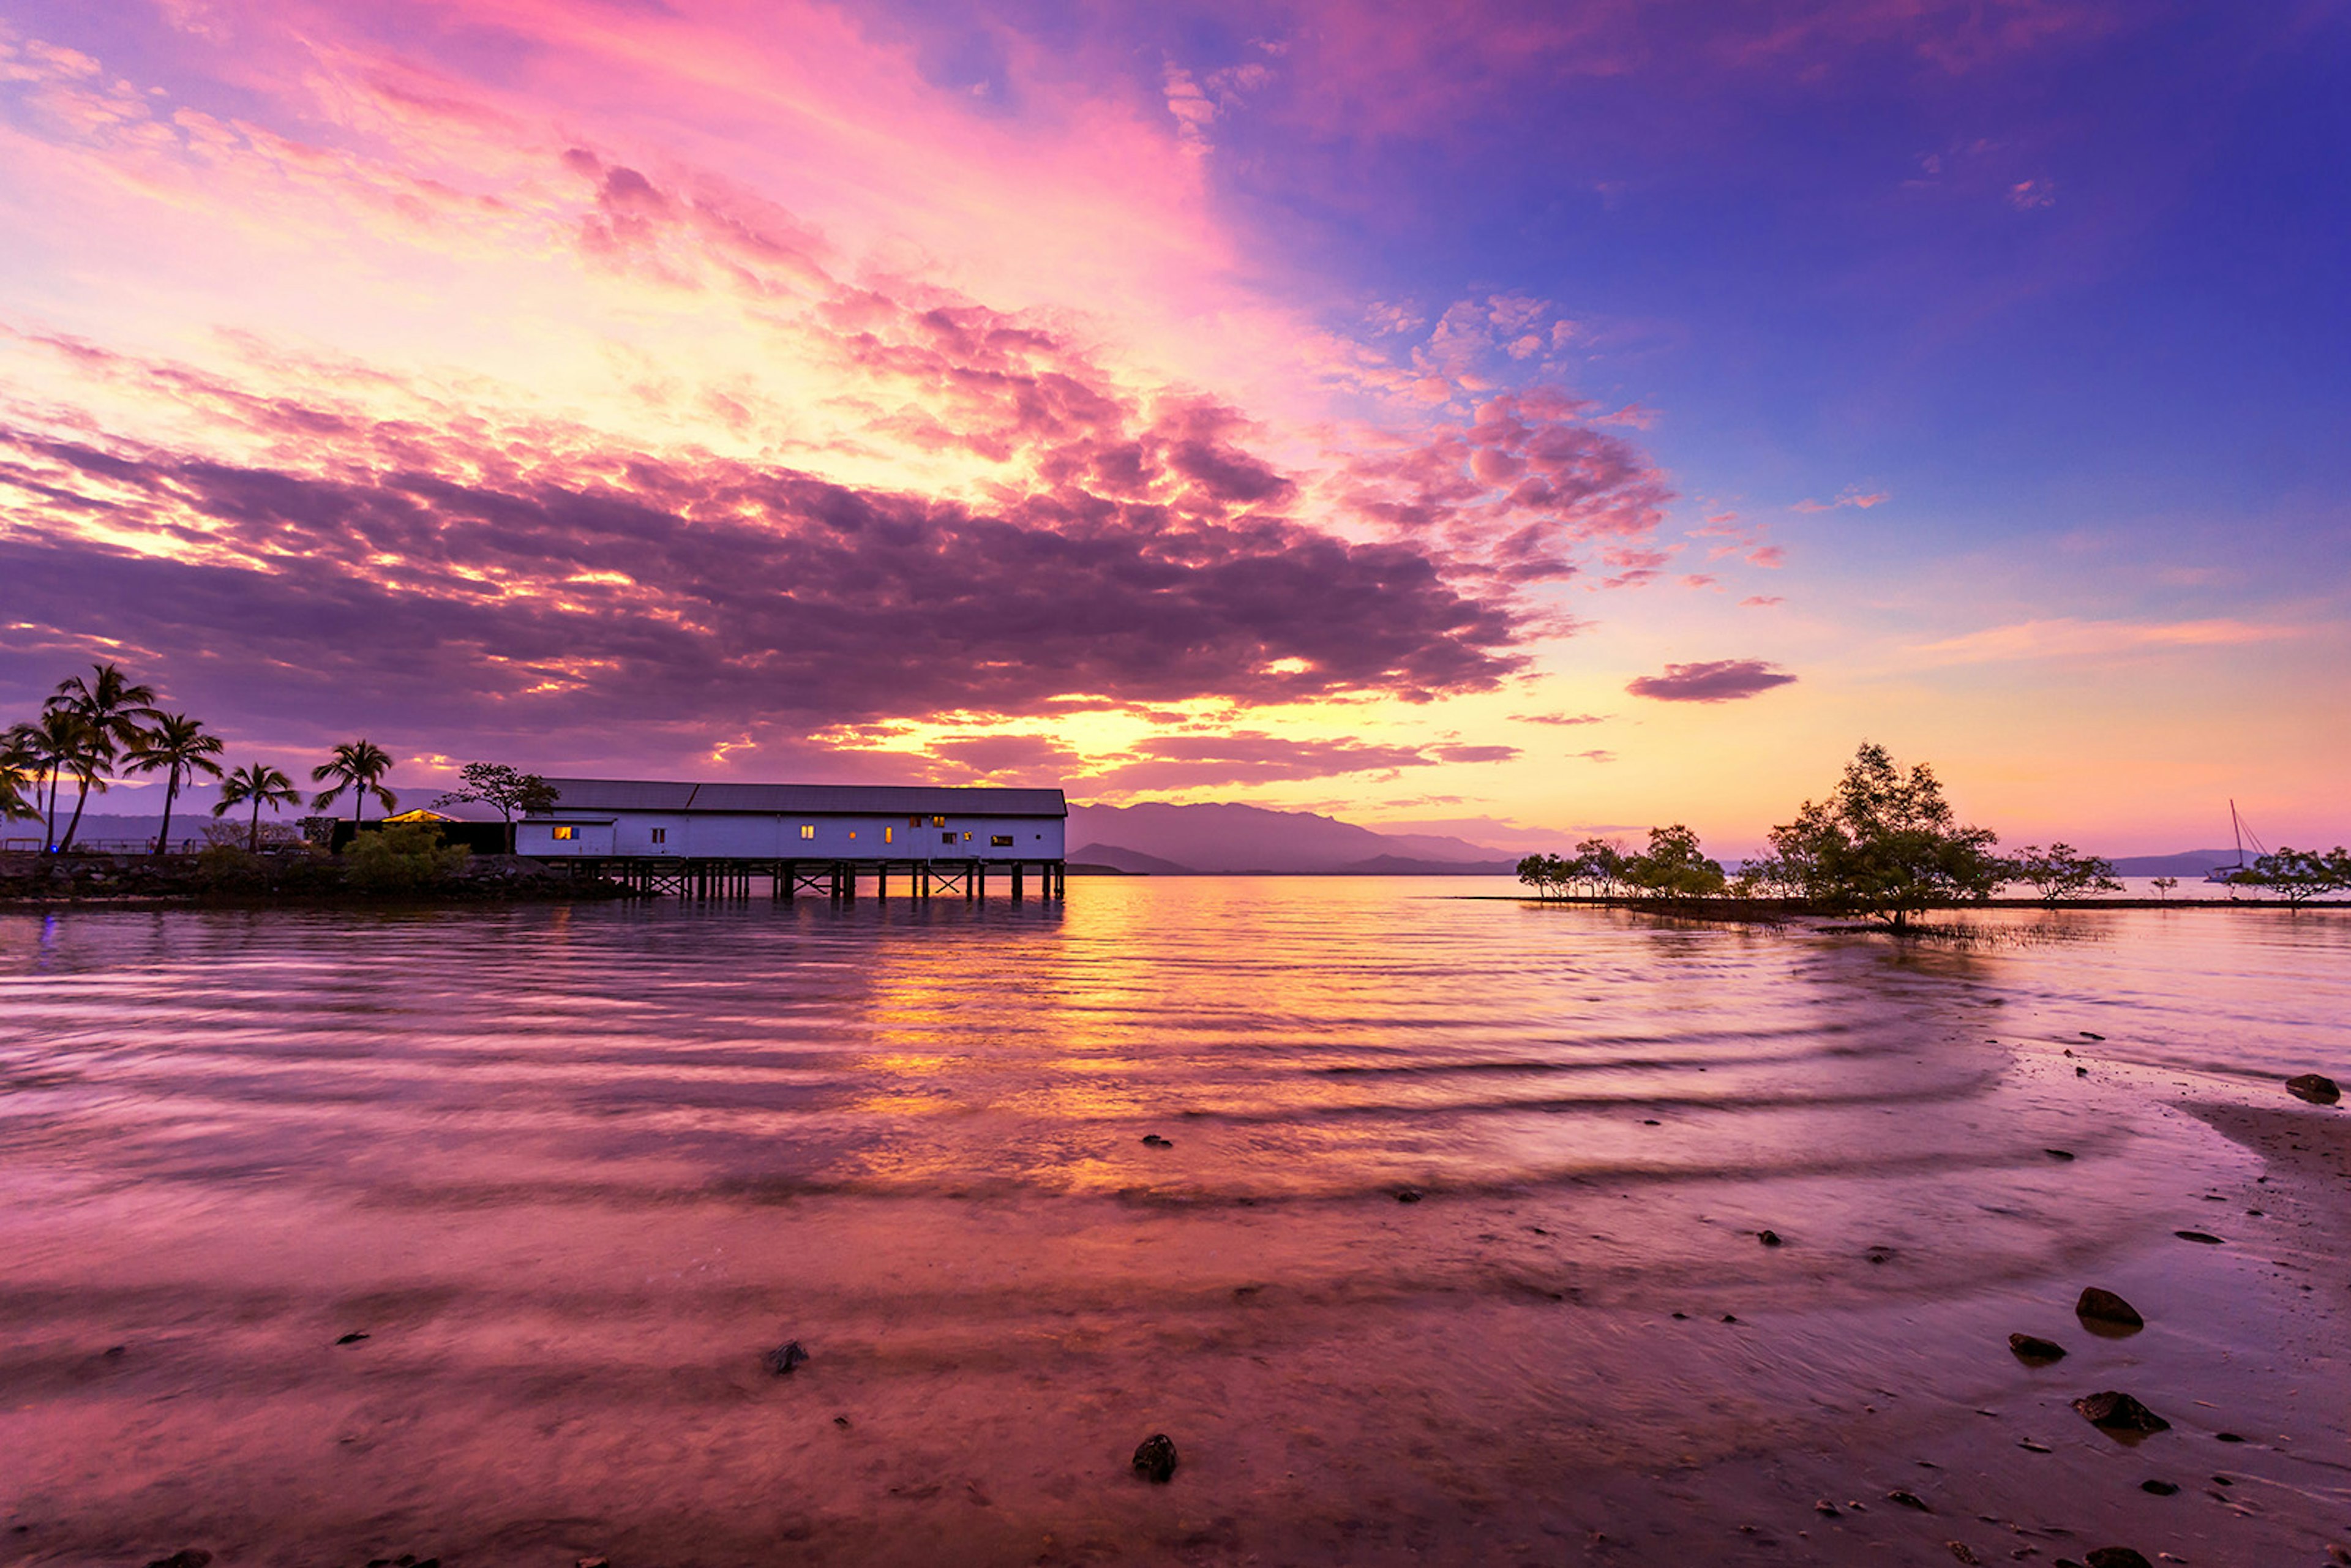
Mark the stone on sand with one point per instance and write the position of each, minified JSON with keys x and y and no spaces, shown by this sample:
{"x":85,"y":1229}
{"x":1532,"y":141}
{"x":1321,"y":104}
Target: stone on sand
{"x":2103,"y":1306}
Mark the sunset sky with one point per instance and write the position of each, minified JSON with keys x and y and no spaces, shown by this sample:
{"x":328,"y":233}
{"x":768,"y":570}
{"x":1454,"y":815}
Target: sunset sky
{"x":1508,"y":421}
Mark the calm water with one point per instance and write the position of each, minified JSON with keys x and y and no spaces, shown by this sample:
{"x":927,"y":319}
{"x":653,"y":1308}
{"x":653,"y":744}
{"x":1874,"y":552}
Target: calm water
{"x":571,"y":1171}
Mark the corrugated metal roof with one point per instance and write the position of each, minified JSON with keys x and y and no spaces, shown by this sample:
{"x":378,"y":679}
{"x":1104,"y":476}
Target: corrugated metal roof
{"x":819,"y":800}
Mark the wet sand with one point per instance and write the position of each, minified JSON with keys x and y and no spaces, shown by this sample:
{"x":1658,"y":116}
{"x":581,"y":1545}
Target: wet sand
{"x":567,"y":1271}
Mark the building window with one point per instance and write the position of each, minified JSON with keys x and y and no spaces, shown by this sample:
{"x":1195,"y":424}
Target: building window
{"x":913,"y":821}
{"x":889,"y":835}
{"x":938,"y":821}
{"x":966,"y":837}
{"x":852,"y":832}
{"x":660,"y":835}
{"x":1000,"y":841}
{"x":947,"y":838}
{"x":808,"y":830}
{"x":567,"y":832}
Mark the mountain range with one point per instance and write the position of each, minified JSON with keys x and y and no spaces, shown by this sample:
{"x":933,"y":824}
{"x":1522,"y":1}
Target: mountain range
{"x":1157,"y":839}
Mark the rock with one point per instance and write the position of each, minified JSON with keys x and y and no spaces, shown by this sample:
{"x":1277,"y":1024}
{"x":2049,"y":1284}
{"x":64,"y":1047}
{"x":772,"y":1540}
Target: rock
{"x":2226,"y":1438}
{"x":593,"y":1563}
{"x":1407,"y":1194}
{"x":1881,"y":1254}
{"x":352,"y":1338}
{"x":2160,"y":1489}
{"x":785,"y":1357}
{"x":2030,"y":1347}
{"x":186,"y":1557}
{"x":2085,"y":1034}
{"x":2113,"y":1411}
{"x":2099,"y":1306}
{"x":1825,"y":1508}
{"x":1153,"y":1141}
{"x":841,"y":1420}
{"x":2030,"y":1447}
{"x":2059,"y":1154}
{"x":2315,"y":1087}
{"x":1909,"y":1500}
{"x":2206,"y":1237}
{"x":1769,"y":1238}
{"x":2081,"y":1073}
{"x":1962,"y":1551}
{"x":2118,"y":1557}
{"x":1155,"y":1458}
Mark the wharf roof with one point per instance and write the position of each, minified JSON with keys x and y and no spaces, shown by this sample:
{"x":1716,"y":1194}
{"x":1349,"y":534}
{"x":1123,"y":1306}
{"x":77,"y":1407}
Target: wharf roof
{"x":810,"y":800}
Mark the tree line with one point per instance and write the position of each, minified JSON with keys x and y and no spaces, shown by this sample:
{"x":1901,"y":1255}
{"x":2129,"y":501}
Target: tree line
{"x":97,"y":729}
{"x":1884,"y":844}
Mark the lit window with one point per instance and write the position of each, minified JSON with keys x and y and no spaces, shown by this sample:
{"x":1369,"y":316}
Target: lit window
{"x":660,"y":835}
{"x":947,"y":838}
{"x":852,"y":832}
{"x":808,"y":830}
{"x":966,"y":837}
{"x":938,"y":821}
{"x":913,"y":821}
{"x":567,"y":832}
{"x":889,"y":835}
{"x":1000,"y":841}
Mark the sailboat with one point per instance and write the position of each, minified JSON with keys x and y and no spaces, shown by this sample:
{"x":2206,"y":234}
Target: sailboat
{"x":2237,"y":826}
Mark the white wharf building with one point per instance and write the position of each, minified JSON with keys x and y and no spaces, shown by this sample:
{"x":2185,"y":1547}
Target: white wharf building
{"x":673,"y":837}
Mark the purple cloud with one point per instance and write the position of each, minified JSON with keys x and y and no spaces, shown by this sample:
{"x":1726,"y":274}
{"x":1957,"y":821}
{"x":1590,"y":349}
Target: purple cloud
{"x":1719,"y":681}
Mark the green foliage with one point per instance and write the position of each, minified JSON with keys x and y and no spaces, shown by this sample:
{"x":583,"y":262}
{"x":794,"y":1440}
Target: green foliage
{"x":403,"y":858}
{"x":2299,"y":874}
{"x":1545,"y":873}
{"x":1884,"y":844}
{"x":2061,"y":872}
{"x":1673,"y":866}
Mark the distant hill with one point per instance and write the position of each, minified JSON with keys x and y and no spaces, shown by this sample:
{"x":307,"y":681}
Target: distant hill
{"x":1228,"y":838}
{"x":1128,"y":861}
{"x":2187,"y":862}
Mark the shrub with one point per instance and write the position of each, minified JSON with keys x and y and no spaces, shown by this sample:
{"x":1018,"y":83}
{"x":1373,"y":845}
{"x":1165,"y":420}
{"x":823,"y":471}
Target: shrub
{"x":403,"y":857}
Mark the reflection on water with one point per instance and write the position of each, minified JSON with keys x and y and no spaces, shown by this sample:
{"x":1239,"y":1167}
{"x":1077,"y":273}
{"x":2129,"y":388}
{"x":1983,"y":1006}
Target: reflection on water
{"x":572,"y":1170}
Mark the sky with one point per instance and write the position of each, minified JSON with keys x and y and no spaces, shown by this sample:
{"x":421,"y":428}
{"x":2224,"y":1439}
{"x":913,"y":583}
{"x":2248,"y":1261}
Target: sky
{"x":1511,"y":421}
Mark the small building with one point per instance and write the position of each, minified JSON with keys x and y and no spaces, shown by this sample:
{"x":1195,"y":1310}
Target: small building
{"x":632,"y":818}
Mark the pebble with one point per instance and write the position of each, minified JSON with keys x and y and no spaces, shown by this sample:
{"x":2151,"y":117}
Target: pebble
{"x":1153,"y":1141}
{"x":186,"y":1557}
{"x":1909,"y":1500}
{"x":2059,"y":1154}
{"x":1962,"y":1551}
{"x":2118,"y":1557}
{"x":2031,"y":1347}
{"x":1155,"y":1459}
{"x":2111,"y":1410}
{"x":2315,"y":1087}
{"x":785,"y":1357}
{"x":1407,"y":1194}
{"x":2104,"y":1306}
{"x":352,"y":1338}
{"x":1769,"y":1238}
{"x":2206,"y":1237}
{"x":2160,"y":1489}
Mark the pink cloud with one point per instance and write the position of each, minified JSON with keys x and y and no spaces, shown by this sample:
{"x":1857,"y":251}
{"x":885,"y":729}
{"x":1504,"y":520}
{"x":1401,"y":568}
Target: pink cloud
{"x":1722,"y":680}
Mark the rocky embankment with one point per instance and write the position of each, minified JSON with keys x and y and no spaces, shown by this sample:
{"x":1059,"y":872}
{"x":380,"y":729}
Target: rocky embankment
{"x":233,"y":876}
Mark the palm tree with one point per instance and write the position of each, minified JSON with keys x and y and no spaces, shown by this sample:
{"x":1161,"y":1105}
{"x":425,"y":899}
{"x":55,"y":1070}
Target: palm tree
{"x":358,"y":766}
{"x":179,"y":745}
{"x":264,"y":786}
{"x":111,"y":708}
{"x":18,"y":771}
{"x":44,"y":746}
